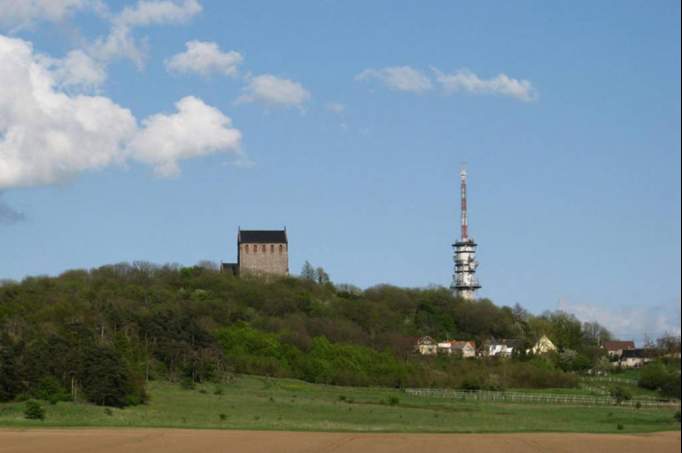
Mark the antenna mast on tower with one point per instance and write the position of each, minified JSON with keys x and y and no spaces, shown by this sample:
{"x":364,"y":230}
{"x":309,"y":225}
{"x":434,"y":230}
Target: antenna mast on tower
{"x":464,"y":282}
{"x":463,"y":197}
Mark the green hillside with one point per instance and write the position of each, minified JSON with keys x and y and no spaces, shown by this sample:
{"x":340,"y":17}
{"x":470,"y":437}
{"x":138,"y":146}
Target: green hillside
{"x":251,"y":402}
{"x":102,"y":335}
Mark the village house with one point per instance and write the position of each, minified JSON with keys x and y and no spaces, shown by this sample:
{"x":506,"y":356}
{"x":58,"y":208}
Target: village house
{"x":616,"y":348}
{"x":543,"y":346}
{"x":426,"y":346}
{"x":634,"y":358}
{"x":464,"y":349}
{"x":445,"y":347}
{"x":501,"y":348}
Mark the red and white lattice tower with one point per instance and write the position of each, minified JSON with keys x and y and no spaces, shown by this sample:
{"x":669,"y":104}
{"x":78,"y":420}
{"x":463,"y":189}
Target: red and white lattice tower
{"x":464,"y":282}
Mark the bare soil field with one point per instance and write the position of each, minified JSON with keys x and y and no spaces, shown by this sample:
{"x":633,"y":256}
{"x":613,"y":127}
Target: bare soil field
{"x":109,"y":440}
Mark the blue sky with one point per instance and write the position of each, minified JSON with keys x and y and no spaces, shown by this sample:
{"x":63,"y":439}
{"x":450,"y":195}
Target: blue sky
{"x":347,"y":122}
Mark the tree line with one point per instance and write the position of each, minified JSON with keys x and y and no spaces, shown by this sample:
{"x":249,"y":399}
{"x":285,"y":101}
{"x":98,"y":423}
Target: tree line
{"x":100,"y":334}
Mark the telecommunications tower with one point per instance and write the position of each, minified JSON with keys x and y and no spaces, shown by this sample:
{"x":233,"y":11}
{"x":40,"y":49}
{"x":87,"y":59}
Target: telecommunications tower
{"x":464,"y":282}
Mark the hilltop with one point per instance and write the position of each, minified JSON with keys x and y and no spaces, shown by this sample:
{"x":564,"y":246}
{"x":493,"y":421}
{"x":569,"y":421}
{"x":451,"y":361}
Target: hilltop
{"x":100,"y":335}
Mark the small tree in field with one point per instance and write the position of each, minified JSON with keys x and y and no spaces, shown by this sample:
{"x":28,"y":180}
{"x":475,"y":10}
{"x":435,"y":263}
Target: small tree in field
{"x":620,"y":394}
{"x":34,"y":411}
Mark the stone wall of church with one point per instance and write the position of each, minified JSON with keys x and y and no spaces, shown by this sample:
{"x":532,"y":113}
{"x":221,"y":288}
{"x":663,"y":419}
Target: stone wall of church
{"x":263,"y":259}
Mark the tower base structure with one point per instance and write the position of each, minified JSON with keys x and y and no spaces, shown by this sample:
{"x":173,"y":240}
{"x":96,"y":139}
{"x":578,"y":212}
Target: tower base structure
{"x":464,"y":282}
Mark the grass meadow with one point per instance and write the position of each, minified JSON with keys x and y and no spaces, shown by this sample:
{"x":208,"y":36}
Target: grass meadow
{"x":260,"y":403}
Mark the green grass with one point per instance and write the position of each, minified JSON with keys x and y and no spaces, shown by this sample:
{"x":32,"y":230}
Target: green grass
{"x":284,"y":404}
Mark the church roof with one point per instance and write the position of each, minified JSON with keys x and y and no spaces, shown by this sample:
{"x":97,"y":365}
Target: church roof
{"x":262,"y":237}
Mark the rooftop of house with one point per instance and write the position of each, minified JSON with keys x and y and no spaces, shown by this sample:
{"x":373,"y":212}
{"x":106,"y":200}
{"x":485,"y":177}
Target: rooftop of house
{"x":510,"y":343}
{"x":634,"y":354}
{"x":262,"y":237}
{"x":460,"y":344}
{"x":618,"y":345}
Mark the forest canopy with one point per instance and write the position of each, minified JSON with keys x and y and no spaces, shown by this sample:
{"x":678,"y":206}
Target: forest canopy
{"x":100,"y":334}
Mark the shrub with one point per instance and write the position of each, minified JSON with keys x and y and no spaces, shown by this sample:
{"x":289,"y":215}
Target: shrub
{"x":51,"y":390}
{"x":223,"y":416}
{"x":657,"y":376}
{"x":620,"y":394}
{"x":677,"y":416}
{"x":187,"y":383}
{"x":620,"y":427}
{"x":393,"y":400}
{"x":653,"y":376}
{"x":470,"y":384}
{"x":106,"y":379}
{"x":34,"y":411}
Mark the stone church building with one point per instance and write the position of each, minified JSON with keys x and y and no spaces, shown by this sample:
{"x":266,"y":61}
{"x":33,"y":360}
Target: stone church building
{"x":260,"y":252}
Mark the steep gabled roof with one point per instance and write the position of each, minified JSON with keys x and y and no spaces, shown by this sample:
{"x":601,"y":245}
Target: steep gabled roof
{"x":460,"y":344}
{"x":262,"y":237}
{"x":618,"y":345}
{"x":634,"y":354}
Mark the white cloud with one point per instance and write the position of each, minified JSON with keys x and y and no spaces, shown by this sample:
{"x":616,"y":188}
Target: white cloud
{"x":18,"y":14}
{"x":48,"y":136}
{"x":195,"y":130}
{"x":121,"y":43}
{"x":399,"y":78}
{"x":271,"y":90}
{"x":630,"y":322}
{"x":205,"y":58}
{"x":77,"y":69}
{"x":466,"y":81}
{"x":147,"y":12}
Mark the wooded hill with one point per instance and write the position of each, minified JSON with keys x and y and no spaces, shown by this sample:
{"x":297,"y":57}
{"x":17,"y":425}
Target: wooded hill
{"x":101,"y":334}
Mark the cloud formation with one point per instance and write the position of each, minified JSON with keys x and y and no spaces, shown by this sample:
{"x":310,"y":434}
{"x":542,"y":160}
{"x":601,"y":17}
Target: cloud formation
{"x":19,"y":14}
{"x":48,"y":136}
{"x":195,"y":130}
{"x":630,"y":321}
{"x":468,"y":82}
{"x":205,"y":58}
{"x":399,"y":78}
{"x":120,"y":43}
{"x":86,"y":67}
{"x":408,"y":79}
{"x":274,"y":91}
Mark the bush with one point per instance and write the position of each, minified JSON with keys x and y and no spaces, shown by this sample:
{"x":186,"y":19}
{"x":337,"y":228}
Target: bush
{"x":620,"y":394}
{"x":393,"y":400}
{"x":50,"y":389}
{"x":677,"y":416}
{"x":620,"y":427}
{"x":656,"y":376}
{"x":471,"y":384}
{"x":187,"y":383}
{"x":652,"y":376}
{"x":34,"y":411}
{"x":106,"y":379}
